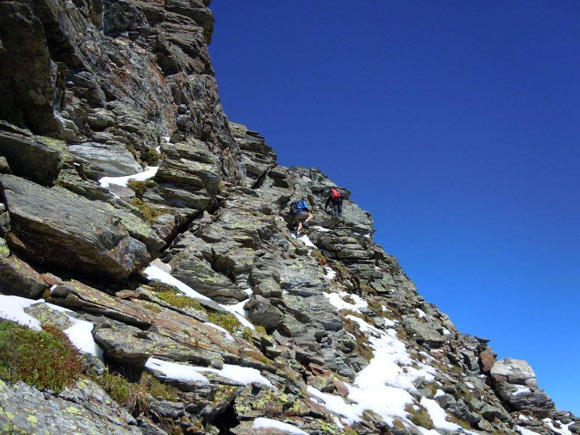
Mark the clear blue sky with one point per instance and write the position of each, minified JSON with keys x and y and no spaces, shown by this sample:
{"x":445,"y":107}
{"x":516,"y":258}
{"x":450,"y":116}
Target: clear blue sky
{"x":456,"y":123}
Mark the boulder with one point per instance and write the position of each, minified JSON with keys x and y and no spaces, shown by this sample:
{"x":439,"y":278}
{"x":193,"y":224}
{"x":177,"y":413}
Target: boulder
{"x":516,"y":385}
{"x":83,"y":408}
{"x":112,"y":160}
{"x":262,"y":312}
{"x":57,"y":227}
{"x":38,"y":159}
{"x":19,"y":278}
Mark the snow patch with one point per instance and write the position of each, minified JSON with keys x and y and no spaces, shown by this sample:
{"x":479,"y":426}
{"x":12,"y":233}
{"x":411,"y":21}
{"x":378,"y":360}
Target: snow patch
{"x":439,"y":417}
{"x":224,"y":331}
{"x":321,"y":229}
{"x":525,"y":431}
{"x":155,"y":272}
{"x":306,"y":240}
{"x":80,"y":333}
{"x":337,"y":301}
{"x":421,"y":313}
{"x":330,"y":273}
{"x":12,"y":308}
{"x":149,"y":172}
{"x":266,"y":423}
{"x":177,"y":372}
{"x":240,"y":313}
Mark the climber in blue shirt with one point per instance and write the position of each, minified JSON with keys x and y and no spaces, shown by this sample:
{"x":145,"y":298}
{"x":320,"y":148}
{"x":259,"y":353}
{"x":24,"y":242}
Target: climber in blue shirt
{"x":301,"y":213}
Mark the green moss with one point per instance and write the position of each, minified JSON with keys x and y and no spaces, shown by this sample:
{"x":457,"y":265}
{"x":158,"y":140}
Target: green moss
{"x":179,"y":300}
{"x":420,"y":416}
{"x":159,"y":389}
{"x":45,"y":359}
{"x":260,"y":329}
{"x":225,"y":320}
{"x":247,"y":334}
{"x":152,"y":307}
{"x":116,"y":386}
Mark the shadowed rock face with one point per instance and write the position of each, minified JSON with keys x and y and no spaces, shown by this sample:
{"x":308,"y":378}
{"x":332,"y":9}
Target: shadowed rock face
{"x":94,"y":88}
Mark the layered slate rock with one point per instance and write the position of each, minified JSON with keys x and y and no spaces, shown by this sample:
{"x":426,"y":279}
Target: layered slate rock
{"x":84,"y":408}
{"x":59,"y":228}
{"x":34,"y":157}
{"x":516,"y":384}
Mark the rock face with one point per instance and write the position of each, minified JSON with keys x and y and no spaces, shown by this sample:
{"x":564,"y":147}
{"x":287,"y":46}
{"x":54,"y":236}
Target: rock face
{"x":57,"y":227}
{"x":194,"y":305}
{"x":516,"y":383}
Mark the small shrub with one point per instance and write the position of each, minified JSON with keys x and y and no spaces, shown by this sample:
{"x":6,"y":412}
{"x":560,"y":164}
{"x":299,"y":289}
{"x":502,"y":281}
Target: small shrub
{"x":420,"y":417}
{"x":179,"y":300}
{"x":225,"y":320}
{"x":139,"y":187}
{"x":45,"y":359}
{"x":153,"y":157}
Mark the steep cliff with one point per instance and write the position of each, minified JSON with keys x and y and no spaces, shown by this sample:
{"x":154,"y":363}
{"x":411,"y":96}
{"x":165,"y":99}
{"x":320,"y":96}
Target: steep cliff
{"x":155,"y":233}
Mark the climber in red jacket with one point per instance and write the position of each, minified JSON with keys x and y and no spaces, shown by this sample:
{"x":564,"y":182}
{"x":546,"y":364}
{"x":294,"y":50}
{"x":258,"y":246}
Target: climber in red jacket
{"x":334,"y":198}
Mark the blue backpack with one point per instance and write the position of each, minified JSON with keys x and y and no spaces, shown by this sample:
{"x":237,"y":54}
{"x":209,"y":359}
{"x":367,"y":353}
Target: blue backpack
{"x":298,"y":206}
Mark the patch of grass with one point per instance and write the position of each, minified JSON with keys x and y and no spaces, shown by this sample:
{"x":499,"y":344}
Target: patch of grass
{"x":45,"y":359}
{"x":225,"y":320}
{"x":399,"y":423}
{"x":149,"y":213}
{"x":247,"y":334}
{"x":153,"y":157}
{"x":139,"y":187}
{"x":362,"y":342}
{"x":179,"y":300}
{"x":420,"y":416}
{"x":464,"y":424}
{"x":116,"y":386}
{"x":135,"y":396}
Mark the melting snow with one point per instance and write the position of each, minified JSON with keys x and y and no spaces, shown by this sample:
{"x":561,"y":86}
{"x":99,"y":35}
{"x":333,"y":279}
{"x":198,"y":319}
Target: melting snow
{"x":321,"y":229}
{"x":155,"y":272}
{"x":183,"y":372}
{"x":12,"y":308}
{"x":525,"y":431}
{"x":337,"y":301}
{"x":439,"y":417}
{"x":149,"y":172}
{"x":178,"y":372}
{"x":383,"y":386}
{"x":421,"y":313}
{"x":266,"y":423}
{"x":240,"y":313}
{"x":520,"y":389}
{"x":330,"y":273}
{"x":80,"y":333}
{"x":225,"y":332}
{"x":306,"y":240}
{"x":563,"y":429}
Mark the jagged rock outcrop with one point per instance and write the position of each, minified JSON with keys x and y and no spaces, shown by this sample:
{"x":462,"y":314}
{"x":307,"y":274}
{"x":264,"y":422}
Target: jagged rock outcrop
{"x":158,"y":234}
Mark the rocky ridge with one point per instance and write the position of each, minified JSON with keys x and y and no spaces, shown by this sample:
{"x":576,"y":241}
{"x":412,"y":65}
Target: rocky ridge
{"x":154,"y":232}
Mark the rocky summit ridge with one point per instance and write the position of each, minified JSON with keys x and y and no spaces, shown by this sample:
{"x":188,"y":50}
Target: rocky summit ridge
{"x":155,"y":233}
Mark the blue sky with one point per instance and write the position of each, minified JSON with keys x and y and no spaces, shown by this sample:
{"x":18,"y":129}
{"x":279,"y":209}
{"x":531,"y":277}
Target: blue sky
{"x":457,"y":125}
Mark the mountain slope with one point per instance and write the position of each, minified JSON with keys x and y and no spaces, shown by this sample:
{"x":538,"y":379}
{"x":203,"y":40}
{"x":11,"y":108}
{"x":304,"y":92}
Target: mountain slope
{"x":158,"y":236}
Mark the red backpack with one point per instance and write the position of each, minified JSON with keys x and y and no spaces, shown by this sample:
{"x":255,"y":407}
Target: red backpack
{"x":335,"y":194}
